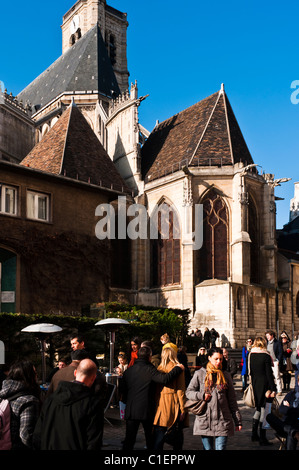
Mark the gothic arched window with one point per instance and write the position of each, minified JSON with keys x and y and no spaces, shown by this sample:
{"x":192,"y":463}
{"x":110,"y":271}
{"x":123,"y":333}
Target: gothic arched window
{"x":165,"y":250}
{"x":112,"y":49}
{"x":214,"y":254}
{"x":250,"y":311}
{"x":284,"y":304}
{"x":297,"y":304}
{"x":267,"y":311}
{"x":253,"y":230}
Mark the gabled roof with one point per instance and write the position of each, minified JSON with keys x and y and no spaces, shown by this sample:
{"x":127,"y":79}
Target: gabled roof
{"x":204,"y":134}
{"x":72,"y":149}
{"x":84,"y":67}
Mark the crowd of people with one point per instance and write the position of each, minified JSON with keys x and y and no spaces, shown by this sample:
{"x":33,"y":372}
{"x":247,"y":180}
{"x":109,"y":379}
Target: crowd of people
{"x":154,"y":386}
{"x":206,"y":339}
{"x":269,"y":363}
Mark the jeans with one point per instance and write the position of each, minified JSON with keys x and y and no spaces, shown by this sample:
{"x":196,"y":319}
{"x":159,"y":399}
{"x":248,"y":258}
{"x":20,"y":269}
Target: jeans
{"x":220,"y":442}
{"x":244,"y":382}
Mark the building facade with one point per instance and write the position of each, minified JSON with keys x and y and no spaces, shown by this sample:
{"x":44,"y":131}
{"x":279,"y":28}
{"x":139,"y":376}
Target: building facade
{"x":215,"y":251}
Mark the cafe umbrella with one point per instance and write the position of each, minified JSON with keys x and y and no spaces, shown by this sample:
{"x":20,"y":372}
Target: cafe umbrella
{"x":41,"y":331}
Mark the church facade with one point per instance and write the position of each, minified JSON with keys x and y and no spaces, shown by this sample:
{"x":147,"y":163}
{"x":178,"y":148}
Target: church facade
{"x":220,"y":257}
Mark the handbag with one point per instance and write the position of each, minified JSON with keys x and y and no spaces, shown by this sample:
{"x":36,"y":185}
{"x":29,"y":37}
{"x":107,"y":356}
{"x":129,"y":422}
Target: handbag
{"x":248,"y":395}
{"x":197,"y":407}
{"x":173,"y":435}
{"x":122,"y":409}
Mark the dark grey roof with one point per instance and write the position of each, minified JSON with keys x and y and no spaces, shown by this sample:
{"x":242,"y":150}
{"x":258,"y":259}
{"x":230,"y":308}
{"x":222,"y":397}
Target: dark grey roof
{"x":84,"y":67}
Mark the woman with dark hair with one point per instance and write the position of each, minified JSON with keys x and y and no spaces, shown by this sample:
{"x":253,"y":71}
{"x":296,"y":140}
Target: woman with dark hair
{"x":244,"y":372}
{"x":215,"y":387}
{"x":134,"y":347}
{"x":22,"y":390}
{"x":285,"y":365}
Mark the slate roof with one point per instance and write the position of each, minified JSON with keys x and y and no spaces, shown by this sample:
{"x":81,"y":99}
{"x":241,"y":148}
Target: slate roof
{"x":204,"y":134}
{"x":72,"y":149}
{"x":84,"y":67}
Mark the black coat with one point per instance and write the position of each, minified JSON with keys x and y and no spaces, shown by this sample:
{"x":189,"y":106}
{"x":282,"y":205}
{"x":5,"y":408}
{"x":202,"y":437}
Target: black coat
{"x":72,"y":418}
{"x":289,"y":413}
{"x":138,"y":388}
{"x":261,"y":375}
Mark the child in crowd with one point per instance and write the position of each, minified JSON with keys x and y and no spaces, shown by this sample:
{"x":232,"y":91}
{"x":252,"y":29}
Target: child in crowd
{"x":122,"y":363}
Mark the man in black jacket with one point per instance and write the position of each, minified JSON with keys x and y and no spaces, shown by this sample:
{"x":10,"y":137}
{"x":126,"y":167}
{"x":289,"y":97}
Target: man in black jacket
{"x":138,"y":392}
{"x":288,"y":426}
{"x":72,"y":418}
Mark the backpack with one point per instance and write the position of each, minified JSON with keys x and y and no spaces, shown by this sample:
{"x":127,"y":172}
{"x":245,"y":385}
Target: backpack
{"x":5,"y":415}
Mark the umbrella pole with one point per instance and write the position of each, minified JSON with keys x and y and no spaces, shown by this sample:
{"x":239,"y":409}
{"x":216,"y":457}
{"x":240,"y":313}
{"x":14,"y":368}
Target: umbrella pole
{"x":112,"y":341}
{"x":43,"y":353}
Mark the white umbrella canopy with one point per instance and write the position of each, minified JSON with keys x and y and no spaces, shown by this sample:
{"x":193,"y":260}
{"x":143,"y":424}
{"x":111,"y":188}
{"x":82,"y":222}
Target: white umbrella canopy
{"x":112,"y":322}
{"x":42,"y":328}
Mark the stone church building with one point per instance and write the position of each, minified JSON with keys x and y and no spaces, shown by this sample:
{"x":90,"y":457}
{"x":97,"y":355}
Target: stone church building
{"x":195,"y":169}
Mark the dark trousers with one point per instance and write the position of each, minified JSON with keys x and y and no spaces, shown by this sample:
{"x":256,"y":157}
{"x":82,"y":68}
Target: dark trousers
{"x":175,"y":439}
{"x":283,"y":430}
{"x":132,"y":426}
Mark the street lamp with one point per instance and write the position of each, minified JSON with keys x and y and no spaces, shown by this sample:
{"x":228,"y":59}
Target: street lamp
{"x":41,"y":332}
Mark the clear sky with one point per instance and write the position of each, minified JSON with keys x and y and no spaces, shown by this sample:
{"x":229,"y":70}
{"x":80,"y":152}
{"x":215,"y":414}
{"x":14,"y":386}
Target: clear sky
{"x":181,"y":52}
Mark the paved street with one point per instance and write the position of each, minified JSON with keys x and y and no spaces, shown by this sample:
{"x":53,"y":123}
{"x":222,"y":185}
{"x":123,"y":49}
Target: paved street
{"x":113,"y":435}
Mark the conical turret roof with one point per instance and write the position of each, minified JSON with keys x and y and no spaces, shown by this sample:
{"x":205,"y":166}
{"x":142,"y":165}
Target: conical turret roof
{"x":72,"y":149}
{"x":204,"y":134}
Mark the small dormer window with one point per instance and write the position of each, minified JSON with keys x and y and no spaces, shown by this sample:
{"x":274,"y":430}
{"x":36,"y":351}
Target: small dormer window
{"x":72,"y":40}
{"x":78,"y":34}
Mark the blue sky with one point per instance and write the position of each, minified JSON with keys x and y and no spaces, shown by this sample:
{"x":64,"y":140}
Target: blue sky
{"x":181,"y":52}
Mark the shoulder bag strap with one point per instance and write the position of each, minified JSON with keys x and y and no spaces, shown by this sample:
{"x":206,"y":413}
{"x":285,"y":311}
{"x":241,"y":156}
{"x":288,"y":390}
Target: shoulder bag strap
{"x":249,"y":364}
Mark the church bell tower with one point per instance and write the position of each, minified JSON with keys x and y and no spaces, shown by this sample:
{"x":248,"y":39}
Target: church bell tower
{"x":83,"y":16}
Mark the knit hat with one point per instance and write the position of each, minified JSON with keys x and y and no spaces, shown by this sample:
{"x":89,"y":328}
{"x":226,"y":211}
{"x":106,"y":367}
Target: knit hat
{"x":171,"y":345}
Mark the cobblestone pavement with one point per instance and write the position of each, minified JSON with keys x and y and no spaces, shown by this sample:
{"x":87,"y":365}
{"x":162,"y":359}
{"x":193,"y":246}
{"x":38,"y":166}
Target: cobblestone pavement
{"x":114,"y":431}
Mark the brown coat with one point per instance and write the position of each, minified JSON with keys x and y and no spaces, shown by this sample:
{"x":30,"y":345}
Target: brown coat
{"x":65,"y":374}
{"x":170,"y":400}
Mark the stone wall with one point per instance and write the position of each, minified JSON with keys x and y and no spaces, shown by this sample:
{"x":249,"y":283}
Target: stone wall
{"x":16,"y":130}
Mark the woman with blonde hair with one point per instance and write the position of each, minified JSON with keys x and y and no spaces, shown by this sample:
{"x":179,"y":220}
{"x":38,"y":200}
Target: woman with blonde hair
{"x":260,"y":367}
{"x":170,"y":403}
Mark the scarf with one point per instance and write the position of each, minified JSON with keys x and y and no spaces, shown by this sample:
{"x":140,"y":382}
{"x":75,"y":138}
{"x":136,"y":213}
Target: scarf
{"x":220,"y":379}
{"x":133,"y":358}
